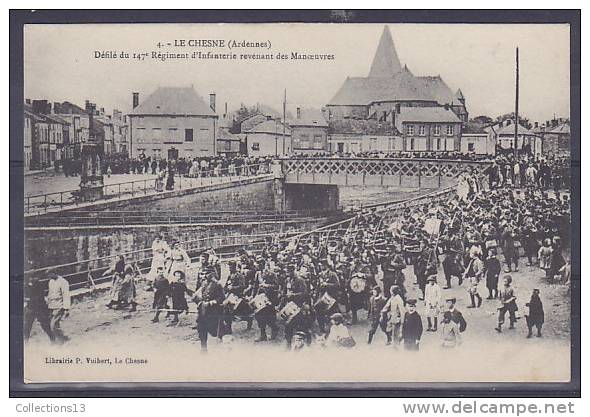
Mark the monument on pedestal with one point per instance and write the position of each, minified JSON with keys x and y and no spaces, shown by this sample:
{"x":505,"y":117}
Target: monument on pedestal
{"x":91,"y":178}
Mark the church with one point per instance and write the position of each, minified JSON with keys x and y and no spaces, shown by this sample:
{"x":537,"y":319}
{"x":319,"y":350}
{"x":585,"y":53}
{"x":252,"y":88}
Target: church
{"x":423,"y":109}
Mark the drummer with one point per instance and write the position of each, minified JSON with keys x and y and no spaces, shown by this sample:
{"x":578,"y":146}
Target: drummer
{"x":269,"y":286}
{"x":235,"y":284}
{"x":296,"y":290}
{"x":328,"y":282}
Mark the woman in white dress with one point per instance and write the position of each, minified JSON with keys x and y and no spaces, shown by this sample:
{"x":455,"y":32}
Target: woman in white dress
{"x":159,"y":249}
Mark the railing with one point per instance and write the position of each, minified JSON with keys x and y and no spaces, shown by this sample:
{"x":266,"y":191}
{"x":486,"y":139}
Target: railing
{"x":128,"y":218}
{"x":418,"y":168}
{"x":42,"y":203}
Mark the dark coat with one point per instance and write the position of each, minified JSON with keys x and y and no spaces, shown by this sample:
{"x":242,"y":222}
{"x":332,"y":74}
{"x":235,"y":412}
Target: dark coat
{"x":210,"y":309}
{"x":178,"y":291}
{"x":493,"y":269}
{"x":458,"y":318}
{"x":162,"y":290}
{"x":412,"y":327}
{"x":536,"y":314}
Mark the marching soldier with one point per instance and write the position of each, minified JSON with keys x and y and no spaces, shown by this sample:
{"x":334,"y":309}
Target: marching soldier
{"x":268,"y":285}
{"x":328,"y":283}
{"x":235,"y":284}
{"x":210,"y":310}
{"x":296,"y":290}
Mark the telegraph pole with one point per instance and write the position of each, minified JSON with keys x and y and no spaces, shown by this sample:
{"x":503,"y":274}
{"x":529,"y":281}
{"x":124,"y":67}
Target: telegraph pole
{"x":284,"y":119}
{"x":516,"y":110}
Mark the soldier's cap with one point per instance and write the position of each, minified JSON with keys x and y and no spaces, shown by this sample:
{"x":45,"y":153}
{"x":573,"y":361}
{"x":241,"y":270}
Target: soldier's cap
{"x":259,"y":258}
{"x":536,"y":290}
{"x":160,"y":268}
{"x":411,"y":302}
{"x":205,"y":255}
{"x":431,"y":278}
{"x":300,"y":335}
{"x":51,"y":273}
{"x":451,"y":300}
{"x":232,"y":262}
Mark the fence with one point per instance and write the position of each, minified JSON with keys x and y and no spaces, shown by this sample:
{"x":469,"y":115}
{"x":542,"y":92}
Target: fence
{"x":42,"y":203}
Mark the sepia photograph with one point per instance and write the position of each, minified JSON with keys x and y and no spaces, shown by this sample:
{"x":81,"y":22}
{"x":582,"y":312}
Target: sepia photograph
{"x":297,"y":203}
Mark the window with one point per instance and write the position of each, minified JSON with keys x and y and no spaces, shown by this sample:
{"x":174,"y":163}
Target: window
{"x":304,"y":142}
{"x":436,"y":130}
{"x":421,"y":130}
{"x":156,"y":135}
{"x":412,"y":142}
{"x":471,"y":147}
{"x":318,"y":142}
{"x":438,"y":144}
{"x":173,"y":134}
{"x":255,"y":146}
{"x":410,"y":130}
{"x":188,"y":135}
{"x":140,"y":135}
{"x":450,"y":130}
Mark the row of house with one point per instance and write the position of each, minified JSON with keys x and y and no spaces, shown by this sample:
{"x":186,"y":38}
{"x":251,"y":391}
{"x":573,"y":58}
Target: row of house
{"x":389,"y":110}
{"x":55,"y":132}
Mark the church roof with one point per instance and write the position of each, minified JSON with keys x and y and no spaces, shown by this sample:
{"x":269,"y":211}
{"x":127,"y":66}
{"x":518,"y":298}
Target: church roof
{"x":385,"y":63}
{"x":389,"y":81}
{"x":174,"y":101}
{"x":362,"y":127}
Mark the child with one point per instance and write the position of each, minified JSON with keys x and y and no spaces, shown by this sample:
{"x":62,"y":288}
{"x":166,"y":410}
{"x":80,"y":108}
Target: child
{"x":339,"y":335}
{"x":162,"y":289}
{"x":545,"y":255}
{"x":177,"y":291}
{"x":536,"y":315}
{"x":450,"y":335}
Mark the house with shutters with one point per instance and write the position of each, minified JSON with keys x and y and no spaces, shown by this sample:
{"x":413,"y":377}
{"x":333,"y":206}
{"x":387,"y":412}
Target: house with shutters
{"x":172,"y":123}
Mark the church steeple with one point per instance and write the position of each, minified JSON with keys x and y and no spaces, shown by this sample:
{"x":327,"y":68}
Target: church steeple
{"x":385,"y":63}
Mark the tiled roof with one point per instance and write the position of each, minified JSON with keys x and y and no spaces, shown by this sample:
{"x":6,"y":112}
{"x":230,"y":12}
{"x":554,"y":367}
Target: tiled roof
{"x":174,"y":101}
{"x":563,"y":129}
{"x":224,"y":134}
{"x":427,"y":114}
{"x":270,"y":126}
{"x":361,"y":127}
{"x":309,"y":117}
{"x":509,"y":130}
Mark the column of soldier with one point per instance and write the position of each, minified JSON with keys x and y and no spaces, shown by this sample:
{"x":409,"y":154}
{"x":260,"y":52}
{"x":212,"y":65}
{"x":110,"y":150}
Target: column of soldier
{"x":329,"y":282}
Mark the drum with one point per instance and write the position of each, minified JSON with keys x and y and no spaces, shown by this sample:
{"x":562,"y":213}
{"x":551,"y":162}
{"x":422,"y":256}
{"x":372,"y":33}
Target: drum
{"x":260,"y":302}
{"x":236,"y":304}
{"x":289,"y":312}
{"x":491,"y":244}
{"x":358,"y":284}
{"x":325,"y":303}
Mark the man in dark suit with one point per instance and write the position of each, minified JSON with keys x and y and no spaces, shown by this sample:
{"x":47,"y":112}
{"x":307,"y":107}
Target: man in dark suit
{"x":36,"y":307}
{"x":210,"y":310}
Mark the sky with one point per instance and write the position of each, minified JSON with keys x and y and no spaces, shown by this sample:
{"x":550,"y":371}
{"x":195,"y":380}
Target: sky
{"x":479,"y":59}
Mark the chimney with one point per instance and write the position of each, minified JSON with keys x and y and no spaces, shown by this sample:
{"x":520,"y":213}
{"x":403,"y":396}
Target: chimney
{"x":299,"y":112}
{"x":536,"y":124}
{"x":41,"y":107}
{"x":212,"y":101}
{"x":135,"y":100}
{"x":225,"y":112}
{"x":56,"y":108}
{"x":508,"y":122}
{"x":90,"y":108}
{"x":398,"y":108}
{"x":102,"y":110}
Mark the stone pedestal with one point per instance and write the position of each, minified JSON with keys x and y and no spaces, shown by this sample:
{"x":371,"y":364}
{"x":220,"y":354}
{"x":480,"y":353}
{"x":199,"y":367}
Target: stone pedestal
{"x":91,"y":178}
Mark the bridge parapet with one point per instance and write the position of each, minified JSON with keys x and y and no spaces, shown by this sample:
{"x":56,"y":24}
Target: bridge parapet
{"x":403,"y":173}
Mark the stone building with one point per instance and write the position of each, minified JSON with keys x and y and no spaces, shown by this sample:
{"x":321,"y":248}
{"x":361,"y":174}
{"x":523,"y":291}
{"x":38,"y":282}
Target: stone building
{"x":428,"y":128}
{"x":309,"y":132}
{"x":269,"y":138}
{"x":172,"y":123}
{"x":353,"y":136}
{"x":389,"y":86}
{"x":79,"y":126}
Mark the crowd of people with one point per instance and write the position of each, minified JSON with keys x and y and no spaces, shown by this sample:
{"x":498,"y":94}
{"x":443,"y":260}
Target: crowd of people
{"x":316,"y":285}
